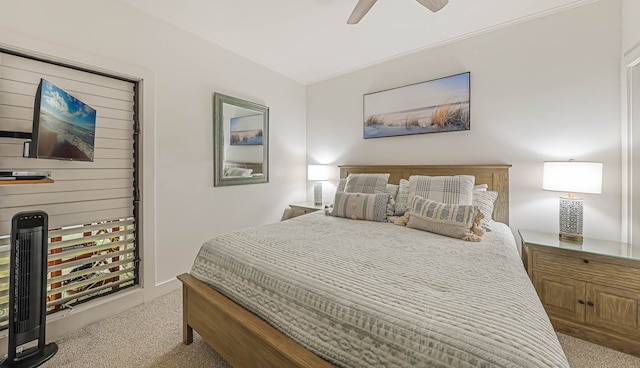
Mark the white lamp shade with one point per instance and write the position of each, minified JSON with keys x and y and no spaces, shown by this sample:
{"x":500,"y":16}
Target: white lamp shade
{"x":572,"y":176}
{"x":321,"y":172}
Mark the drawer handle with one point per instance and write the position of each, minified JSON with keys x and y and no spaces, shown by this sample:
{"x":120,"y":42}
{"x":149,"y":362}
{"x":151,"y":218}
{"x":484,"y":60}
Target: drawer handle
{"x":581,"y":301}
{"x":586,"y":261}
{"x":590,"y":304}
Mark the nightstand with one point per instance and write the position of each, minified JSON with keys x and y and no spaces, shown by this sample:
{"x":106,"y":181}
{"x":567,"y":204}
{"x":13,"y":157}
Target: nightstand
{"x":590,"y":290}
{"x":299,"y":209}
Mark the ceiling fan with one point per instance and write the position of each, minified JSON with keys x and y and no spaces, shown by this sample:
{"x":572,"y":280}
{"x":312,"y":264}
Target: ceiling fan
{"x":363,"y":6}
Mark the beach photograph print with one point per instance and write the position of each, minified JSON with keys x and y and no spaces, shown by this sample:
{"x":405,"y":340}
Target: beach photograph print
{"x":440,"y":105}
{"x":247,"y":130}
{"x":67,"y":126}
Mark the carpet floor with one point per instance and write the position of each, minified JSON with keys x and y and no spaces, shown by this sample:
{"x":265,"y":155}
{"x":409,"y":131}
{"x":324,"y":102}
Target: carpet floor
{"x":150,"y":336}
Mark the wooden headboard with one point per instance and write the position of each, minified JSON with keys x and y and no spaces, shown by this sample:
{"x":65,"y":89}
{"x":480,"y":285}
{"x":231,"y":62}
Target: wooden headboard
{"x":495,"y":176}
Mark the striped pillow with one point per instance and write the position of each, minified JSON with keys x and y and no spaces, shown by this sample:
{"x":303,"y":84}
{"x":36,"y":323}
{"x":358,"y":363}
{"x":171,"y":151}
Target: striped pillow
{"x":452,"y":220}
{"x":367,"y":183}
{"x":446,"y":189}
{"x":359,"y":206}
{"x":402,"y":199}
{"x":341,"y":184}
{"x":481,"y":187}
{"x":392,"y":189}
{"x":484,"y":201}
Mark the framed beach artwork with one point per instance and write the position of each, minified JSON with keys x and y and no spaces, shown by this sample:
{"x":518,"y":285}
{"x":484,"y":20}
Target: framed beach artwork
{"x":439,"y":105}
{"x":246,"y":130}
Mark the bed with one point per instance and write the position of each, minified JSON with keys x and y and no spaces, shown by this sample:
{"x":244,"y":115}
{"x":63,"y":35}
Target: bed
{"x":441,"y":302}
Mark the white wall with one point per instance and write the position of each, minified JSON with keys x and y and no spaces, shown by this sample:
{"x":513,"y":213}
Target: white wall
{"x":180,"y":72}
{"x":631,"y":122}
{"x":548,"y":89}
{"x":630,"y":25}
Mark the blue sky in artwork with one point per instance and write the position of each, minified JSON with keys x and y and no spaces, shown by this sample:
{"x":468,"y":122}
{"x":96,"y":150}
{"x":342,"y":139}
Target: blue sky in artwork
{"x":249,"y":122}
{"x":452,"y":89}
{"x":458,"y":82}
{"x":66,"y":107}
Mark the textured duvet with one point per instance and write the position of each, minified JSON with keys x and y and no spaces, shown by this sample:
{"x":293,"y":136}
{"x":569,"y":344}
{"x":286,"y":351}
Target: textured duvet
{"x":370,"y":294}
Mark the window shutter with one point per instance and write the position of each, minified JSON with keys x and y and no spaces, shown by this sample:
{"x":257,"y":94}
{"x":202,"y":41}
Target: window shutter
{"x":92,"y":231}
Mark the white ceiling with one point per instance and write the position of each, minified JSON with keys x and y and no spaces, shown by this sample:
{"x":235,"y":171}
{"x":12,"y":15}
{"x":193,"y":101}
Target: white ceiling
{"x":309,"y":40}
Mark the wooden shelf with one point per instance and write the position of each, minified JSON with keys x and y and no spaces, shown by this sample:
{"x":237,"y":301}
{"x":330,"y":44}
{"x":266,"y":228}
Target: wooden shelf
{"x":39,"y":181}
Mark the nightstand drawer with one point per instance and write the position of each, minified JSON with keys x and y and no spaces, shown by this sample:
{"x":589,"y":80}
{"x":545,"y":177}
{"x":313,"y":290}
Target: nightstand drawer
{"x":587,"y":269}
{"x":298,"y":211}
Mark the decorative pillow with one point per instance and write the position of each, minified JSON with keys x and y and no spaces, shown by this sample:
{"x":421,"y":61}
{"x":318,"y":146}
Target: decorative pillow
{"x":402,"y":199}
{"x":238,"y":171}
{"x":367,"y":183}
{"x":360,"y":206}
{"x":484,"y":201}
{"x":446,"y":189}
{"x":482,"y":187}
{"x":341,"y":184}
{"x":454,"y":220}
{"x":392,"y":189}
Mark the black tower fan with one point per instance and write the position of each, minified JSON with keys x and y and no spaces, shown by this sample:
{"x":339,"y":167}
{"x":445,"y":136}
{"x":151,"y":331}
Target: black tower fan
{"x":28,"y":291}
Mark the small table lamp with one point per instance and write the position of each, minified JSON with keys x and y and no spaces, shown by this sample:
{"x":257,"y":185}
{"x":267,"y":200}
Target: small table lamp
{"x":572,"y":177}
{"x":319,"y":173}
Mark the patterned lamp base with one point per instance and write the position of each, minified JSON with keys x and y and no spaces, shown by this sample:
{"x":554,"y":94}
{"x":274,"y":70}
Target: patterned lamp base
{"x":571,"y":219}
{"x":317,"y":193}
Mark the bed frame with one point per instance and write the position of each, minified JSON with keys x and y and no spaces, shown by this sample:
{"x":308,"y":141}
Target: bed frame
{"x":245,"y":340}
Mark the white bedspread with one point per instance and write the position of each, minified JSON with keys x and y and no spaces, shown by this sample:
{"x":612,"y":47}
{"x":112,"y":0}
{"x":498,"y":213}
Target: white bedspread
{"x":368,"y":294}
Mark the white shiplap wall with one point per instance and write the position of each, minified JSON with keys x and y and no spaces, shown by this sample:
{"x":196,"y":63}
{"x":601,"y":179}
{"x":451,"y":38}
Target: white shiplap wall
{"x":83,"y":192}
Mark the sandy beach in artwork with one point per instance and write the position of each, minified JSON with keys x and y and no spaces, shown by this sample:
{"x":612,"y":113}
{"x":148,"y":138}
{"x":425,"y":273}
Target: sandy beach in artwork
{"x":438,"y":105}
{"x":442,"y":118}
{"x":58,"y":138}
{"x":246,"y":137}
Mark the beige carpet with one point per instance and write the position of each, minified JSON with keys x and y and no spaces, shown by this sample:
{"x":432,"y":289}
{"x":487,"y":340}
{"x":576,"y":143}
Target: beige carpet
{"x":151,"y":336}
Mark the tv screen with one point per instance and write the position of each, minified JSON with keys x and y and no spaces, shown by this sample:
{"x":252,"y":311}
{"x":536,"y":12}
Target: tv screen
{"x":63,"y":126}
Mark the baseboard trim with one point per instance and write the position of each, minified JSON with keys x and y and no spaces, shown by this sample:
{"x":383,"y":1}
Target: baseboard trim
{"x":165,"y":288}
{"x":82,"y":315}
{"x":597,"y":336}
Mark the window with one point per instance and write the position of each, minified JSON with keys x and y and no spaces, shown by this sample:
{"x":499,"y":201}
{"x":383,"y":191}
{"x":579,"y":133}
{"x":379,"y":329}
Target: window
{"x":92,"y":206}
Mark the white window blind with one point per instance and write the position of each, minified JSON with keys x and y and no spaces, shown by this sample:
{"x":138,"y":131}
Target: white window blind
{"x":91,"y":205}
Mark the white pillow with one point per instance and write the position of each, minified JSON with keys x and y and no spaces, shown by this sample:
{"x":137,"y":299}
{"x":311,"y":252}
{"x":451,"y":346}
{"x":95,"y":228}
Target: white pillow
{"x":341,"y":184}
{"x":238,"y":171}
{"x":402,"y":199}
{"x":392,"y":189}
{"x":446,"y":189}
{"x":484,"y":201}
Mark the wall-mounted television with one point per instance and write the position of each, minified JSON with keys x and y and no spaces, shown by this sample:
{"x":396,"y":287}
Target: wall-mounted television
{"x":63,"y":127}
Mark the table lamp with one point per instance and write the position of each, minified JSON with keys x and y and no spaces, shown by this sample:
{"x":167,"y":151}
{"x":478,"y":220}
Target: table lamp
{"x":319,"y":173}
{"x":572,"y":177}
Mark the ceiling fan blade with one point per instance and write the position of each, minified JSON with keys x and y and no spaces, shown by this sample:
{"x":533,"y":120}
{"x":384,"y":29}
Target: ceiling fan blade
{"x":433,"y":5}
{"x":362,"y":7}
